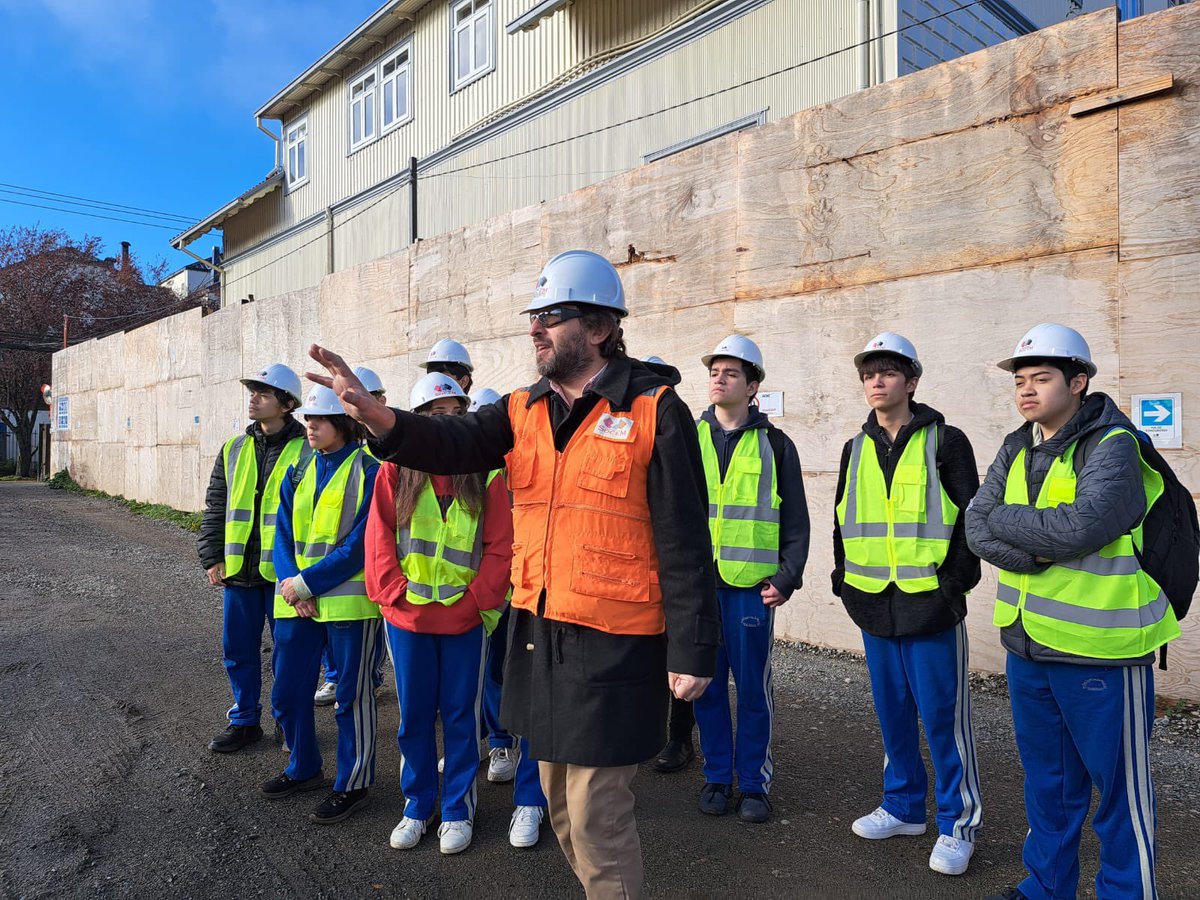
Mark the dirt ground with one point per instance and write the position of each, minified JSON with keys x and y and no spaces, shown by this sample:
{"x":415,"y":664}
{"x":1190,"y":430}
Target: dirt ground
{"x":110,"y":652}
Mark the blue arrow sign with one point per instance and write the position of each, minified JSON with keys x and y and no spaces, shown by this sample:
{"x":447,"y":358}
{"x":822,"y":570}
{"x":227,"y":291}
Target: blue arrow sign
{"x":1158,"y":411}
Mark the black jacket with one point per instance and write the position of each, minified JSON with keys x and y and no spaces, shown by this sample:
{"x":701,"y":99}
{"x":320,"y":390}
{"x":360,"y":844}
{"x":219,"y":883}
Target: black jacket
{"x":210,"y":543}
{"x":580,"y":695}
{"x":1110,"y":499}
{"x":893,"y":613}
{"x":793,"y":507}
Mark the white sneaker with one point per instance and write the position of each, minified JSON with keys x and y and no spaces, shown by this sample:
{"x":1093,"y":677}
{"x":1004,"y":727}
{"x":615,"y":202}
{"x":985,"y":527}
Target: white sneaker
{"x":326,"y":694}
{"x":526,"y":826}
{"x":408,"y":833}
{"x":455,"y":836}
{"x":882,"y":824}
{"x":950,"y":856}
{"x":502,"y":764}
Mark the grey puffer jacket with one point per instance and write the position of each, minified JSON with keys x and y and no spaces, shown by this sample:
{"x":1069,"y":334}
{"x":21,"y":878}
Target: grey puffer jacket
{"x":1109,"y":500}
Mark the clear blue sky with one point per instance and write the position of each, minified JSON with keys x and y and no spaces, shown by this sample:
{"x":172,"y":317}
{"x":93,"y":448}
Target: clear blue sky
{"x":148,"y":103}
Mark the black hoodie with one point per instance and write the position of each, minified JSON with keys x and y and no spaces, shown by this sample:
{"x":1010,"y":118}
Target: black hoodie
{"x":893,"y":613}
{"x":580,"y":695}
{"x":793,"y":508}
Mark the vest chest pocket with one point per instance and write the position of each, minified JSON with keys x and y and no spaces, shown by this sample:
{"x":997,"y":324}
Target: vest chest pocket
{"x":610,"y":573}
{"x":606,"y":470}
{"x":1060,"y":489}
{"x":908,"y":487}
{"x":741,"y":477}
{"x":519,"y":464}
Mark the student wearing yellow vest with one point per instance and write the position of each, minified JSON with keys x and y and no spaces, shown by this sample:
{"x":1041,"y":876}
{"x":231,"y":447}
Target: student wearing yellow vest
{"x":613,"y":590}
{"x":758,"y":520}
{"x":439,"y":557}
{"x":327,"y":692}
{"x":903,"y":569}
{"x":236,"y":536}
{"x":1060,"y":515}
{"x":321,"y":598}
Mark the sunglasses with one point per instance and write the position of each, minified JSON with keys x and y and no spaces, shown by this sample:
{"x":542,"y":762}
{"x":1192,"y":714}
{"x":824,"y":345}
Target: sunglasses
{"x":551,"y":317}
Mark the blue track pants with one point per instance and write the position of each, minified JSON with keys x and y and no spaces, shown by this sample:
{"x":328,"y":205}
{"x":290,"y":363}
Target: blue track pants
{"x":247,"y":609}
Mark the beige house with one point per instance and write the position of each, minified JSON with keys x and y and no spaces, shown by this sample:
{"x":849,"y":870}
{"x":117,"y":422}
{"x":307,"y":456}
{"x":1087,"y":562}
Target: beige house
{"x":433,"y":114}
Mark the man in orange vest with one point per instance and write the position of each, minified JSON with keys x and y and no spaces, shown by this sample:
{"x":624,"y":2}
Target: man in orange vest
{"x":613,"y":589}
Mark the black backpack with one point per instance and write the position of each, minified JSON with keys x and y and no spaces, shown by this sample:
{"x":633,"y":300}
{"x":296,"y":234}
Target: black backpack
{"x":1170,"y":533}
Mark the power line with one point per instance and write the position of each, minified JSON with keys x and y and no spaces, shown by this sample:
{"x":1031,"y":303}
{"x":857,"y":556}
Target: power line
{"x":77,"y":212}
{"x":708,"y":96}
{"x":566,"y":140}
{"x":98,"y":203}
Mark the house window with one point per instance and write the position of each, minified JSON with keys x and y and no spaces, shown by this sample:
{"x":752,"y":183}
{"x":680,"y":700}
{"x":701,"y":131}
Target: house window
{"x":295,"y":138}
{"x":395,"y":89}
{"x":362,"y":109}
{"x":472,"y":40}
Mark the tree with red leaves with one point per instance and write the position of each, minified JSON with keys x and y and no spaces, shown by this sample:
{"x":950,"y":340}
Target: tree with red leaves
{"x":48,"y":278}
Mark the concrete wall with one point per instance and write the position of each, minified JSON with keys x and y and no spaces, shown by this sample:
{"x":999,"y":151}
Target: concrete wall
{"x":959,"y":206}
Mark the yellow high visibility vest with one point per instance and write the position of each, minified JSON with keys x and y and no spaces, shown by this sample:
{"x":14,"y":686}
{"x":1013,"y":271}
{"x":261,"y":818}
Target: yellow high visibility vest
{"x":241,"y":483}
{"x":898,"y":535}
{"x":1103,"y":605}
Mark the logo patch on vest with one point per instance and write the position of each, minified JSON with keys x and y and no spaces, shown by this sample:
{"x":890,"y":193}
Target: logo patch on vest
{"x":614,"y":428}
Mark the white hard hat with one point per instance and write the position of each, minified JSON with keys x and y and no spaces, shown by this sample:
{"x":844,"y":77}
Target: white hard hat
{"x":368,"y":377}
{"x":655,"y":360}
{"x":448,"y":351}
{"x":432,"y":387}
{"x":321,"y":401}
{"x":277,"y":375}
{"x":483,"y":397}
{"x":1050,"y":341}
{"x":579,"y":276}
{"x":890,"y":342}
{"x":739,"y":347}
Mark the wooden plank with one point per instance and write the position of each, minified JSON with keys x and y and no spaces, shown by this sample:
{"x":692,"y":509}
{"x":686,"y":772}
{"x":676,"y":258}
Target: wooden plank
{"x":1026,"y":187}
{"x":1140,"y":91}
{"x":1160,"y":141}
{"x":1015,"y":78}
{"x":961,"y":323}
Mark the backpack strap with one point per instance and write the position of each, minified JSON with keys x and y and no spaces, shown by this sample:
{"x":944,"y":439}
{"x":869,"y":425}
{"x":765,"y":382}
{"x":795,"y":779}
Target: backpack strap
{"x":1084,"y":448}
{"x":306,"y":457}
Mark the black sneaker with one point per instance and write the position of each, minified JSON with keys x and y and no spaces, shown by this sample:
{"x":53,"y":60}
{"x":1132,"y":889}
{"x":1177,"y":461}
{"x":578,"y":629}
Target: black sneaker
{"x":284,"y":785}
{"x":714,"y":799}
{"x":674,"y":756}
{"x":754,"y":808}
{"x":234,"y":738}
{"x":339,"y":805}
{"x":1010,"y":894}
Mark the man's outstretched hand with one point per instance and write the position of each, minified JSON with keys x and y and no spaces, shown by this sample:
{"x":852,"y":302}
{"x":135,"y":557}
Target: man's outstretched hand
{"x":360,"y":404}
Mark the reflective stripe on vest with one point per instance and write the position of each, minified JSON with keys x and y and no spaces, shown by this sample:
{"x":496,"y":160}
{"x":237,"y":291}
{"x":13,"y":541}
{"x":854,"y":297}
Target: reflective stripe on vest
{"x":241,"y":485}
{"x":320,"y":524}
{"x":1102,"y":605}
{"x":899,"y":534}
{"x":581,"y":518}
{"x":743,"y":507}
{"x":440,"y":555}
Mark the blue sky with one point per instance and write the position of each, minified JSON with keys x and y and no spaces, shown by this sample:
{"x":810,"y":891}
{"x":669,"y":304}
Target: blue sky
{"x":148,"y":103}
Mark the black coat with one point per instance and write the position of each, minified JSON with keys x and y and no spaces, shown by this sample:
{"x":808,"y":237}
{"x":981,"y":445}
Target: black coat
{"x":892,"y":612}
{"x":578,"y":694}
{"x":210,"y":544}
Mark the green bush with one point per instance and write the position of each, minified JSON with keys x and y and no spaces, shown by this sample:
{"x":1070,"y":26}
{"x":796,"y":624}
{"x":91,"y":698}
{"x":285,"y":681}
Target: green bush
{"x":8,"y":467}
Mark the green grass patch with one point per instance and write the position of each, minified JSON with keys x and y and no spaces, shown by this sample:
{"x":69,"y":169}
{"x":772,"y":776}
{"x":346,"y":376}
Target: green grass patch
{"x":15,"y":478}
{"x":62,"y":481}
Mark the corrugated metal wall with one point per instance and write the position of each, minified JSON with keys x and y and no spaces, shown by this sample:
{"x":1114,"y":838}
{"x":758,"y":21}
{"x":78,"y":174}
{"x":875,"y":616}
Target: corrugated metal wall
{"x":774,"y":36}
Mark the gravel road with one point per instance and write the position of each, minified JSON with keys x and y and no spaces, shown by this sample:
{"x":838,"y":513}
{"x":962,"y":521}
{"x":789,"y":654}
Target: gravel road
{"x":110,"y":652}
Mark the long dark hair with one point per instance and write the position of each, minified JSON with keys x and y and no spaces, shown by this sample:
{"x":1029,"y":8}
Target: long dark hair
{"x":468,"y":490}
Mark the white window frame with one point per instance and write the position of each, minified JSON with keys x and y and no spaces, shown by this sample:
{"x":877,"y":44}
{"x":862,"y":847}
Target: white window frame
{"x":404,"y":69}
{"x":367,"y":103}
{"x":295,"y":138}
{"x":484,"y":16}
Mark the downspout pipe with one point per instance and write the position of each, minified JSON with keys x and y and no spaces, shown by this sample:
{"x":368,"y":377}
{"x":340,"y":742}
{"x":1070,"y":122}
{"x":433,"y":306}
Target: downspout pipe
{"x":277,"y":138}
{"x":863,"y":48}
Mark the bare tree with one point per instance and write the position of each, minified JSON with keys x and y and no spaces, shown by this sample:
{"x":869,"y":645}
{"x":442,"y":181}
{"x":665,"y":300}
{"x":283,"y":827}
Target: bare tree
{"x":48,"y":278}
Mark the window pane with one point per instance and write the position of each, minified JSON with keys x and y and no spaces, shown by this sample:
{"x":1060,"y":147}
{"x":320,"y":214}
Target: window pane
{"x":369,"y":117}
{"x":389,"y":107}
{"x":463,"y":12}
{"x":292,"y":164}
{"x":402,"y":95}
{"x":356,"y":122}
{"x":388,"y":68}
{"x":481,"y":41}
{"x":356,"y":90}
{"x":463,"y":53}
{"x":301,"y":162}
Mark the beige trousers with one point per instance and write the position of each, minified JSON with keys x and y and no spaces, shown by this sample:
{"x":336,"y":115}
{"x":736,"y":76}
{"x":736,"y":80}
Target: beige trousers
{"x":591,"y":811}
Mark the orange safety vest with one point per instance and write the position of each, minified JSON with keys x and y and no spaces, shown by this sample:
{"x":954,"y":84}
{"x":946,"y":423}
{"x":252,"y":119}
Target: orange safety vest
{"x":581,"y":518}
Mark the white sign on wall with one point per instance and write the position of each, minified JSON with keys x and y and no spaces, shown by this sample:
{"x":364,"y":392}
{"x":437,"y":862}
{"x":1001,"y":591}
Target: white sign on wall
{"x":62,"y":418}
{"x":770,"y":403}
{"x":1161,"y":417}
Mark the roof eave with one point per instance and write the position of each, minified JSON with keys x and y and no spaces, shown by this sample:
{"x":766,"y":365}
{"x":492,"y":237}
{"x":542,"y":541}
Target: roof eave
{"x":237,"y":204}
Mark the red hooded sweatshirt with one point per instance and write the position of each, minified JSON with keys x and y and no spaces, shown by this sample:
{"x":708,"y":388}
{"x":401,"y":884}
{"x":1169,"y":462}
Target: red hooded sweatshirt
{"x":388,"y":587}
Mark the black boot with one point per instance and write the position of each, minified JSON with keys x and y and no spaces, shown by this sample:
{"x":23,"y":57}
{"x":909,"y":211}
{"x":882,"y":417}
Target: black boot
{"x":674,"y":756}
{"x":234,"y":738}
